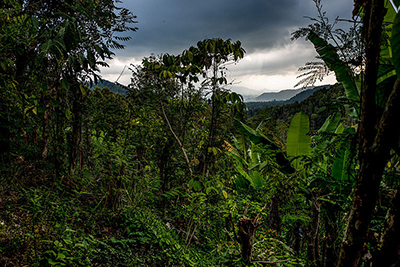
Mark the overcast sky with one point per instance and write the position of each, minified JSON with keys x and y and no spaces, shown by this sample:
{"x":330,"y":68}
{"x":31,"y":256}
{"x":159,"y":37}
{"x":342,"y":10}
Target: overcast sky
{"x":262,"y":26}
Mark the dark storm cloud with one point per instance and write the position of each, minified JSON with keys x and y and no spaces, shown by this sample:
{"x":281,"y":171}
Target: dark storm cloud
{"x":170,"y":26}
{"x":263,"y":27}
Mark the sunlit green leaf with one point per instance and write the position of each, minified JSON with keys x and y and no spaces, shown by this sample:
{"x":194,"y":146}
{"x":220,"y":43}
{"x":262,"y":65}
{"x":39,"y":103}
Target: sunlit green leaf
{"x":298,"y":143}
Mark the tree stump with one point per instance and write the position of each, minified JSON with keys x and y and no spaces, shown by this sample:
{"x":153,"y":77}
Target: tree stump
{"x":247,"y":230}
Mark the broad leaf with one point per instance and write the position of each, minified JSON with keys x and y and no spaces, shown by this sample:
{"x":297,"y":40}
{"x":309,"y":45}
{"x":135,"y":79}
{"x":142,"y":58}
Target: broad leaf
{"x":255,"y":136}
{"x":396,"y":44}
{"x":258,"y":138}
{"x":342,"y":163}
{"x":331,"y":123}
{"x":298,"y":143}
{"x":343,"y":74}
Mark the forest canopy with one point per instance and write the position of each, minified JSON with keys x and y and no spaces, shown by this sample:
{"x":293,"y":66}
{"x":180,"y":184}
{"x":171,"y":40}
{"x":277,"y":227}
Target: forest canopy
{"x":172,"y":172}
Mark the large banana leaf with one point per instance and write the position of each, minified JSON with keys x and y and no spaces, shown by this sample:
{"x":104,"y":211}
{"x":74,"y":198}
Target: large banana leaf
{"x":386,"y":51}
{"x":258,"y":138}
{"x":298,"y":143}
{"x":255,"y":136}
{"x":342,"y":163}
{"x":396,"y":44}
{"x":343,"y":74}
{"x":339,"y":168}
{"x":331,"y":123}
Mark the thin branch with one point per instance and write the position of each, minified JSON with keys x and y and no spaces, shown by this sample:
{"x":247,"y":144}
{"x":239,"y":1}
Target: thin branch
{"x":195,"y":227}
{"x":177,"y":139}
{"x":258,"y":215}
{"x":229,"y":234}
{"x":122,"y":72}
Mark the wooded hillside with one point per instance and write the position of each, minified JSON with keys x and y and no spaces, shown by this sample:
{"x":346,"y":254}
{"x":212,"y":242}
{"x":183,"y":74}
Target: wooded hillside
{"x":173,"y":173}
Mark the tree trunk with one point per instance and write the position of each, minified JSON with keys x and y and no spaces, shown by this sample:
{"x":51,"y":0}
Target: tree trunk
{"x":388,"y":251}
{"x":5,"y":147}
{"x":374,"y":142}
{"x":372,"y":163}
{"x":247,"y":230}
{"x":76,"y":127}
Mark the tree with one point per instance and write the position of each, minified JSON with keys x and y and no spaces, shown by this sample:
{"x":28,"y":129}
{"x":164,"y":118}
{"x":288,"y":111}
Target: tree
{"x":205,"y":61}
{"x":212,"y":55}
{"x":62,"y":47}
{"x":374,"y":93}
{"x":377,"y":131}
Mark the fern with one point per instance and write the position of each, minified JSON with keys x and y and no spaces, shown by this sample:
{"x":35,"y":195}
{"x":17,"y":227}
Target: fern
{"x":313,"y":71}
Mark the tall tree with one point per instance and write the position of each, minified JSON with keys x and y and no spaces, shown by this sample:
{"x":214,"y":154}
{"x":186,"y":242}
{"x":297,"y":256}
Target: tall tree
{"x":377,"y":132}
{"x":212,"y":55}
{"x":64,"y":45}
{"x":373,"y":90}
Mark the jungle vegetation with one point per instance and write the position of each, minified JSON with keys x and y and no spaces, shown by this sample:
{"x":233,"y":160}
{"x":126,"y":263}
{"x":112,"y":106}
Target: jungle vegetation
{"x":172,"y":173}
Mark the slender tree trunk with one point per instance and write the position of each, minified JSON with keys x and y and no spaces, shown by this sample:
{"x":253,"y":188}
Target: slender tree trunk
{"x":204,"y":167}
{"x":330,"y":253}
{"x":5,"y":147}
{"x":313,"y":235}
{"x":76,"y":126}
{"x":274,"y":214}
{"x":177,"y":139}
{"x":212,"y":133}
{"x":388,"y":251}
{"x":372,"y":164}
{"x":373,"y":141}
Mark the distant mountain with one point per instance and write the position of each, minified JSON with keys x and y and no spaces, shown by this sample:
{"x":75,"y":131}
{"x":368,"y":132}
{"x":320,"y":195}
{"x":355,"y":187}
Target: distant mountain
{"x":247,"y":93}
{"x":318,"y":104}
{"x":114,"y":87}
{"x":305,"y":94}
{"x":278,"y":96}
{"x":244,"y":90}
{"x":286,"y":94}
{"x":301,"y":95}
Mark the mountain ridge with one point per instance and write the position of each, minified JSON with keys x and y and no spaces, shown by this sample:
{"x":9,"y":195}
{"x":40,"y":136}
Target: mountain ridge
{"x":284,"y":94}
{"x":302,"y":95}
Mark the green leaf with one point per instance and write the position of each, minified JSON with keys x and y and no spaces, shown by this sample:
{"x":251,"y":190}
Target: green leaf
{"x":396,"y":44}
{"x":68,"y":114}
{"x":64,"y":84}
{"x":91,"y":59}
{"x":341,"y":164}
{"x":60,"y":256}
{"x":339,"y":129}
{"x":298,"y":143}
{"x":258,"y":138}
{"x":83,"y":91}
{"x":35,"y":22}
{"x":51,"y":262}
{"x":256,"y":179}
{"x":343,"y":74}
{"x":46,"y":46}
{"x":331,"y":123}
{"x":255,"y":136}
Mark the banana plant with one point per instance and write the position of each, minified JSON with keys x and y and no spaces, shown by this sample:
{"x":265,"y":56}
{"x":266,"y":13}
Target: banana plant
{"x":248,"y":163}
{"x":298,"y":143}
{"x":257,"y":137}
{"x":251,"y":166}
{"x":343,"y":73}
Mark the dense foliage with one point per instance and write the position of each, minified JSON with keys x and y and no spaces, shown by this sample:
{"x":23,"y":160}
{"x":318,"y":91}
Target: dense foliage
{"x":172,"y":172}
